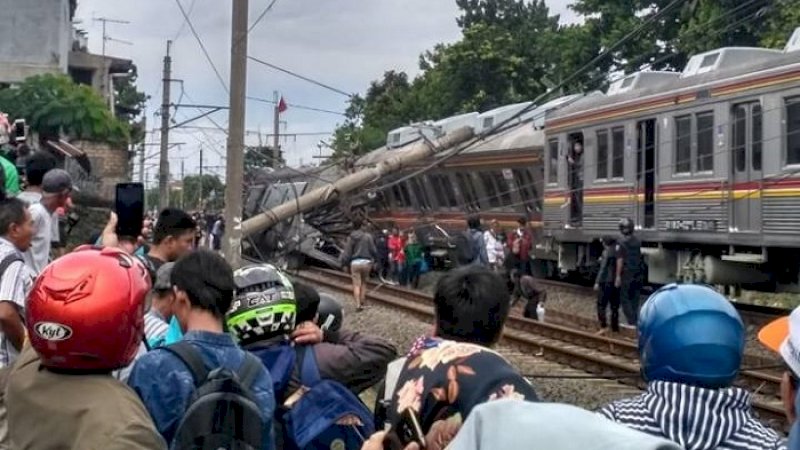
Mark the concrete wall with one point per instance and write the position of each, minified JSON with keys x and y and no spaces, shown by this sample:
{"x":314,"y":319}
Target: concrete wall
{"x":109,"y":167}
{"x":36,"y":38}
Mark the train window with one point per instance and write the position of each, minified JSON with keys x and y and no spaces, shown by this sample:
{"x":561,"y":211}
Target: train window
{"x":740,"y":137}
{"x":467,"y":190}
{"x":504,"y":187}
{"x":397,"y":197}
{"x":793,"y":130}
{"x":705,"y":142}
{"x":602,"y":154}
{"x":402,"y":189}
{"x":758,"y":133}
{"x":437,"y":188}
{"x":490,"y":188}
{"x":683,"y":144}
{"x":618,"y":152}
{"x":419,"y":193}
{"x":447,"y":188}
{"x":552,"y":153}
{"x":525,"y":186}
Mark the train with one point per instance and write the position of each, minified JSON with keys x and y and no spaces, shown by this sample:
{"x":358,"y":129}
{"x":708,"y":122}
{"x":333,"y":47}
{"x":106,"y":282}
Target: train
{"x":705,"y":161}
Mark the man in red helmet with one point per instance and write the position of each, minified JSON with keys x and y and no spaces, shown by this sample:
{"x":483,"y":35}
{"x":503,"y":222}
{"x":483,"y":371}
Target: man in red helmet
{"x":61,"y":393}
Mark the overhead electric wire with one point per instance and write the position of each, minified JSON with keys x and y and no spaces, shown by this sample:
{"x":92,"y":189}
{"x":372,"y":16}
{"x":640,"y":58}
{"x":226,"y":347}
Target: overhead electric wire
{"x":294,"y":105}
{"x":304,"y":78}
{"x":202,"y":46}
{"x":262,"y":15}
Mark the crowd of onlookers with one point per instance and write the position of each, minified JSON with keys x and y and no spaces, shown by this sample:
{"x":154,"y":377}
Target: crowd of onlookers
{"x":159,"y":343}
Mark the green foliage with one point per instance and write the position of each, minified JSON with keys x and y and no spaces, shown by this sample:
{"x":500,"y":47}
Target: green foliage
{"x":129,"y":103}
{"x":514,"y":50}
{"x":213,"y":194}
{"x":53,"y":103}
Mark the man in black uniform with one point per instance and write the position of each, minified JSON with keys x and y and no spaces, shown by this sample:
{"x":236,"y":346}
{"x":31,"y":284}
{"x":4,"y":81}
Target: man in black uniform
{"x":629,"y":271}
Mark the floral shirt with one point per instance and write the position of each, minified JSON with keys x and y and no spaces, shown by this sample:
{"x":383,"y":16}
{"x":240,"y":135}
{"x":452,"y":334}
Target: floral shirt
{"x":442,"y":379}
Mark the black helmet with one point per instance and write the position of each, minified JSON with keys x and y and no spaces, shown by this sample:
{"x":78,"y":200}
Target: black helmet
{"x":330,"y":313}
{"x":626,"y":226}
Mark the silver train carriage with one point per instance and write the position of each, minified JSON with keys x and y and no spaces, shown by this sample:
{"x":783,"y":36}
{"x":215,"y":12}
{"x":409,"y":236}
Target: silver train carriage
{"x":706,"y":162}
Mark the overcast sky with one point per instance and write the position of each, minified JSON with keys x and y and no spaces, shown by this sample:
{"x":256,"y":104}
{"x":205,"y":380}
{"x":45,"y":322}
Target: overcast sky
{"x":342,"y":43}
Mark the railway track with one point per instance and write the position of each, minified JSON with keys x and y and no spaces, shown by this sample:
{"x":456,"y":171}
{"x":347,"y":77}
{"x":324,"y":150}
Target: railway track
{"x":558,"y":340}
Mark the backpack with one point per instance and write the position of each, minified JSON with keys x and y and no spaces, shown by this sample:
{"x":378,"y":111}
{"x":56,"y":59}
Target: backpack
{"x":464,"y":248}
{"x":222,"y":411}
{"x":8,"y":261}
{"x":313,"y":422}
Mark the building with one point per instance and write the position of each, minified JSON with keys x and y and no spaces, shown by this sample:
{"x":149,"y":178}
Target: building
{"x":38,"y":38}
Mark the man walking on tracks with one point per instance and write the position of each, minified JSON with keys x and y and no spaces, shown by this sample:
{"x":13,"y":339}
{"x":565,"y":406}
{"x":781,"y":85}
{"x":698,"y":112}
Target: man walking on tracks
{"x":629,"y":271}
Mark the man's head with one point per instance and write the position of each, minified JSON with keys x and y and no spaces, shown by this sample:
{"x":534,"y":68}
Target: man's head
{"x":358,"y":223}
{"x":471,"y":305}
{"x":163,"y":296}
{"x":56,"y":189}
{"x":37,"y":166}
{"x":265,"y":306}
{"x":609,"y":240}
{"x":522,"y":221}
{"x":474,"y":222}
{"x":203,"y":284}
{"x":307,"y":302}
{"x":783,"y":337}
{"x":174,"y":233}
{"x":16,"y":223}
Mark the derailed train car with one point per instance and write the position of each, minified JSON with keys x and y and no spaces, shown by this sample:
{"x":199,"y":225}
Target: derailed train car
{"x":705,"y":161}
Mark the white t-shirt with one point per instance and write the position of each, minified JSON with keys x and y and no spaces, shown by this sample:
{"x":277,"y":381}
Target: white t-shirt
{"x":38,"y":256}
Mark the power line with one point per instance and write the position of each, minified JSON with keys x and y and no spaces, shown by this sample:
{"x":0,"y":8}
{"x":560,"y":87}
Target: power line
{"x":297,"y":75}
{"x":202,"y":46}
{"x":261,"y":16}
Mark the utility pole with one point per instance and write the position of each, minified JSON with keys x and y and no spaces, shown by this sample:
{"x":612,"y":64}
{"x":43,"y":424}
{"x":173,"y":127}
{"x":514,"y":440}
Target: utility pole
{"x":142,"y":150}
{"x":276,"y":152}
{"x":163,"y":168}
{"x":183,"y":186}
{"x":234,"y":174}
{"x":106,"y":20}
{"x":201,"y":179}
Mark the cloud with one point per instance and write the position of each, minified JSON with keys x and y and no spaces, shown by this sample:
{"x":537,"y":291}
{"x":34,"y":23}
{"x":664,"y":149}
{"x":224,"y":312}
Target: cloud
{"x":343,"y":43}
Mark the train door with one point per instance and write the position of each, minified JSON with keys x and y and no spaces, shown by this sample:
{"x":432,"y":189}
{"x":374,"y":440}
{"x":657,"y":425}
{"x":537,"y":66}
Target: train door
{"x":646,"y":173}
{"x":575,"y":169}
{"x":746,"y":158}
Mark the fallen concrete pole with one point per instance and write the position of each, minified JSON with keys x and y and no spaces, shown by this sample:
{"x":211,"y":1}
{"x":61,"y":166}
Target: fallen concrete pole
{"x":419,"y":151}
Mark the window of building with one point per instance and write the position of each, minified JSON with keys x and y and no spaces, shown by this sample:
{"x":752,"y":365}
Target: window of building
{"x":793,"y":130}
{"x":618,"y":152}
{"x":552,"y":152}
{"x":683,"y":144}
{"x":602,"y":154}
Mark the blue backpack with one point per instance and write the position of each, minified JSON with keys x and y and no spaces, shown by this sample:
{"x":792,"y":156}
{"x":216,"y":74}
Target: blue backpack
{"x":326,"y":415}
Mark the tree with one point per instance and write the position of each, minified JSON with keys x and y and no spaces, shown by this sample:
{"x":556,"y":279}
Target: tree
{"x":213,"y":192}
{"x":54,"y":104}
{"x":129,"y":104}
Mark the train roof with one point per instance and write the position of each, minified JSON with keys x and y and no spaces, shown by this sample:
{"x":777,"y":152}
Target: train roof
{"x":702,"y":71}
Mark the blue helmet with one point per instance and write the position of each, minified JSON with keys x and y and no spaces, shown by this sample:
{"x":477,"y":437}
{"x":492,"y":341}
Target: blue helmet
{"x":690,"y":334}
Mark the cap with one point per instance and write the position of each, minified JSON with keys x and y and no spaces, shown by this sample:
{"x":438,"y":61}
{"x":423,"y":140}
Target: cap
{"x":57,"y":181}
{"x":164,"y":277}
{"x":783,"y":336}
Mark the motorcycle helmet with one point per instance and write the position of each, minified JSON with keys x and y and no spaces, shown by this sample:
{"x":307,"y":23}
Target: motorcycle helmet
{"x":690,"y":334}
{"x":330,"y":313}
{"x":264,"y":307}
{"x":86,"y":310}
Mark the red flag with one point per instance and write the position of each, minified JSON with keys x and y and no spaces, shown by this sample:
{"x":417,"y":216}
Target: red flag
{"x":282,"y":106}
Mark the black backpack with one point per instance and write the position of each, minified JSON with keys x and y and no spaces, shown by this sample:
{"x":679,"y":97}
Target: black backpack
{"x":223,"y":412}
{"x":464,"y":248}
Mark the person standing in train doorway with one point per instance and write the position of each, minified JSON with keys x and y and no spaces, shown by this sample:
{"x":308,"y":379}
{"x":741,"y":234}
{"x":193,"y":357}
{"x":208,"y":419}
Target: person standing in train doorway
{"x":575,"y":166}
{"x":629,"y":271}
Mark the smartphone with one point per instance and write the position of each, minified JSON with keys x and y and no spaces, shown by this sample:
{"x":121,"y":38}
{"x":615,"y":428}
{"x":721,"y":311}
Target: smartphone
{"x":129,"y":206}
{"x":407,"y":431}
{"x":19,"y":130}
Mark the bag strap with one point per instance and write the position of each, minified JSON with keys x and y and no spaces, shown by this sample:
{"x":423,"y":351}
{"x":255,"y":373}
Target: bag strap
{"x":248,"y":371}
{"x":192,"y":359}
{"x":309,"y":371}
{"x":8,"y":261}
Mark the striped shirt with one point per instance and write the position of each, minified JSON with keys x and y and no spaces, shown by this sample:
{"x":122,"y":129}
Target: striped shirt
{"x":696,"y":418}
{"x":15,"y":285}
{"x":155,"y":327}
